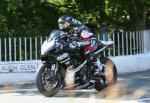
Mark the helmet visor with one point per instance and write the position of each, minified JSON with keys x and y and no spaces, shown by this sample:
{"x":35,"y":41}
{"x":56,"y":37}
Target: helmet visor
{"x":62,"y":26}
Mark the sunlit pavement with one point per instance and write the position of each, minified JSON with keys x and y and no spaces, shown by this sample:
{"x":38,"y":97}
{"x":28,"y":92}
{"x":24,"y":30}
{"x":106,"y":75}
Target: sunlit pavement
{"x":131,"y":88}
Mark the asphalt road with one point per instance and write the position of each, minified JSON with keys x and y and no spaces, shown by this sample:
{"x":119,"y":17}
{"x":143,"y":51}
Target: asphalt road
{"x":131,"y":88}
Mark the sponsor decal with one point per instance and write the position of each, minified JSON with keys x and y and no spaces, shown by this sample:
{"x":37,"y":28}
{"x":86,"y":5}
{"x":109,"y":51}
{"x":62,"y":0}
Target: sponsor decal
{"x":63,"y":56}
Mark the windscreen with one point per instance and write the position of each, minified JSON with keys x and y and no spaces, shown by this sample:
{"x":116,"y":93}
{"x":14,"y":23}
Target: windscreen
{"x":54,"y":35}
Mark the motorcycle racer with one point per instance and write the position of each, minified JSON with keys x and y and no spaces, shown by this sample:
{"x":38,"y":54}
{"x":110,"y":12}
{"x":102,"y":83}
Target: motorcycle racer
{"x":75,"y":28}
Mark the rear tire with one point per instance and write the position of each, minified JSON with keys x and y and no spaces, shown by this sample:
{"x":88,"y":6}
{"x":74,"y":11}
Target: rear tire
{"x":110,"y":75}
{"x":42,"y":82}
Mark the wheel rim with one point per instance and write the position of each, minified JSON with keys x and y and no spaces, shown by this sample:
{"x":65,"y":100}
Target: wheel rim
{"x":48,"y":82}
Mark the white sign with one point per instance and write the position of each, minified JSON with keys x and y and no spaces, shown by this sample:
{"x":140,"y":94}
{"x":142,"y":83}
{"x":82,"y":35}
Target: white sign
{"x":24,"y":66}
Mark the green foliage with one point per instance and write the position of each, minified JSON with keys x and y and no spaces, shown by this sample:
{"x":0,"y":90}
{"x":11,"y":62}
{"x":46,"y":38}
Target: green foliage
{"x":36,"y":17}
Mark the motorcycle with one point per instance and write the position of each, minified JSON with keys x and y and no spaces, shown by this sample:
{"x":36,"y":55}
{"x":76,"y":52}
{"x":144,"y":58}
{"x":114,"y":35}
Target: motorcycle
{"x":55,"y":53}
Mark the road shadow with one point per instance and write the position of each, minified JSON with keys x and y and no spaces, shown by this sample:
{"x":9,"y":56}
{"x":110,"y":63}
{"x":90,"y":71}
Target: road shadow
{"x":22,"y":89}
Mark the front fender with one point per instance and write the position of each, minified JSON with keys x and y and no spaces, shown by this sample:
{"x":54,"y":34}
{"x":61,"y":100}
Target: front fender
{"x":39,"y":68}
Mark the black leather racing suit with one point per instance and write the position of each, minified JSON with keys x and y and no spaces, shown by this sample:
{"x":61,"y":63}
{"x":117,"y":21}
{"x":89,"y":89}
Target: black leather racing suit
{"x":89,"y":42}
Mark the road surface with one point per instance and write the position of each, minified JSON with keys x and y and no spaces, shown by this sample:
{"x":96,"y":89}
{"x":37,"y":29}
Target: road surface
{"x":130,"y":88}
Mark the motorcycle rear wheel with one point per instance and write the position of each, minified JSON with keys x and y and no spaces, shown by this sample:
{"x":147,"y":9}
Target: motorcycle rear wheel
{"x":110,"y":75}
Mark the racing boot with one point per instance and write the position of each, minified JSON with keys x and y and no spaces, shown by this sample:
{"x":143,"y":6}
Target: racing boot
{"x":98,"y":68}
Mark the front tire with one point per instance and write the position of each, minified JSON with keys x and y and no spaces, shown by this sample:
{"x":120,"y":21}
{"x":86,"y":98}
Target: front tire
{"x":45,"y":85}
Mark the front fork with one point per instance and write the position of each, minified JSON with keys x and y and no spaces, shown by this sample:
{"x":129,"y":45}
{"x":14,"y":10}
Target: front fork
{"x":53,"y":70}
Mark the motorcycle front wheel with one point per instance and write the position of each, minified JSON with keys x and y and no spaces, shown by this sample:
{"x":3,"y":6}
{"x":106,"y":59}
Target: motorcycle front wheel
{"x":46,"y":84}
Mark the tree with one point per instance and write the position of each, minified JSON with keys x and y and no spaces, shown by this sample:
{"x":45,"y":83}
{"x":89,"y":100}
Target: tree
{"x":30,"y":17}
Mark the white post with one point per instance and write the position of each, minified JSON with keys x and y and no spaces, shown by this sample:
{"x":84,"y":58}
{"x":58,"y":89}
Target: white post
{"x":114,"y":45}
{"x":118,"y":44}
{"x":10,"y":58}
{"x":134,"y":42}
{"x":137,"y":42}
{"x":122,"y":43}
{"x":36,"y":48}
{"x":0,"y":51}
{"x":127,"y":45}
{"x":5,"y":45}
{"x":25,"y":47}
{"x":130,"y":43}
{"x":140,"y":42}
{"x":15,"y":56}
{"x":146,"y":40}
{"x":41,"y":41}
{"x":20,"y":48}
{"x":98,"y":36}
{"x":30,"y":48}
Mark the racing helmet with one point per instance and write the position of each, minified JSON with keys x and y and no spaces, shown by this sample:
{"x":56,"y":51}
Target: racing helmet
{"x":65,"y":22}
